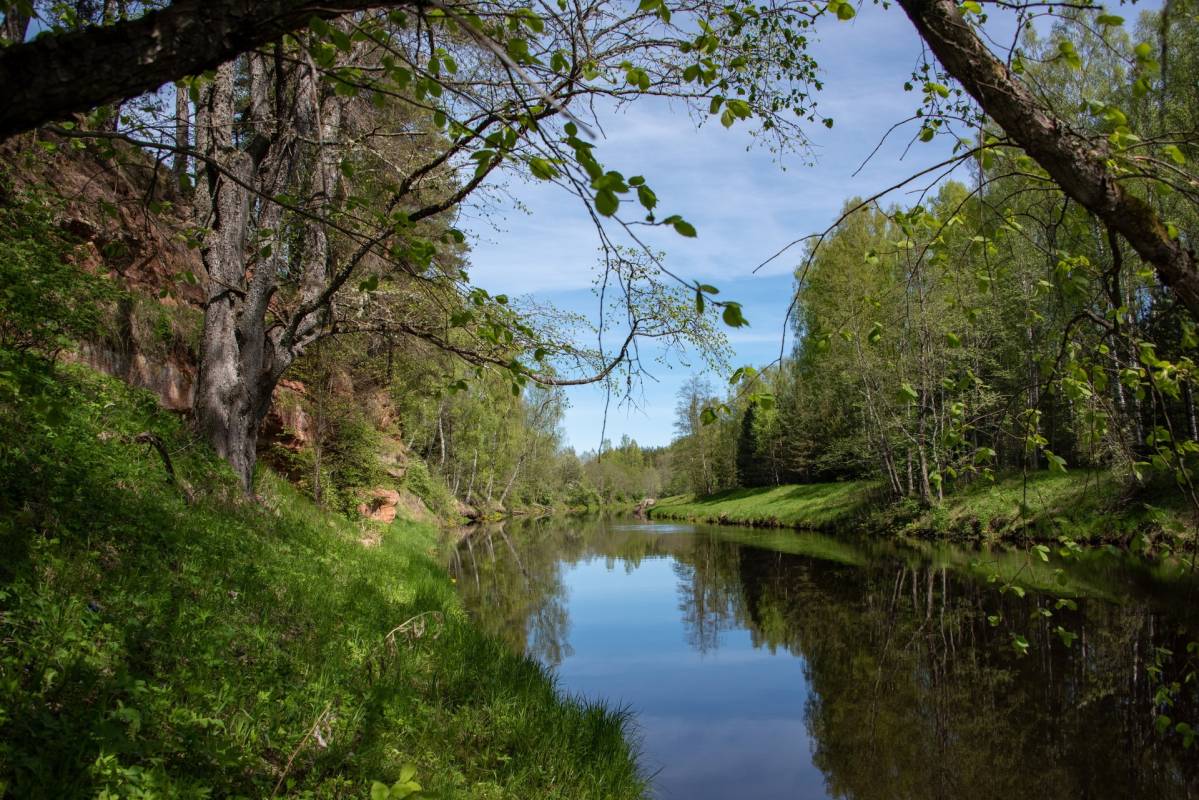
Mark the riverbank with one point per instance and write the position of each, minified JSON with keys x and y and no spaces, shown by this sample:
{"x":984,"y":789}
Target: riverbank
{"x":1086,"y":505}
{"x":163,"y":636}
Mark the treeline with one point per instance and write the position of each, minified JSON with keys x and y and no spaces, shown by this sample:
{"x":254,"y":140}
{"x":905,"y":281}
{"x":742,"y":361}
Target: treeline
{"x":995,"y":324}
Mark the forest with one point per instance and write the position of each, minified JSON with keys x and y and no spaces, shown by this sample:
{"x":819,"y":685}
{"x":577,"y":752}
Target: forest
{"x":254,"y":402}
{"x":996,"y":326}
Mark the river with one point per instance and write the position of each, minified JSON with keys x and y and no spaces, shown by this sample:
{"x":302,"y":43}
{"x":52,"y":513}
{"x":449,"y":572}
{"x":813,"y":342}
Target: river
{"x":778,"y":664}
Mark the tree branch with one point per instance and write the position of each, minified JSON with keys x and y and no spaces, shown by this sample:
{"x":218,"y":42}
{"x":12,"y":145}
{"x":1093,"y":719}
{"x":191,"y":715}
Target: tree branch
{"x":1076,"y":163}
{"x":56,"y":75}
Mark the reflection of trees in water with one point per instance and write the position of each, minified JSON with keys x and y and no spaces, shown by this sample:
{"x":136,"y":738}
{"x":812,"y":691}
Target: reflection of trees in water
{"x":510,"y":577}
{"x":710,"y":597}
{"x":915,"y":694}
{"x":515,"y":594}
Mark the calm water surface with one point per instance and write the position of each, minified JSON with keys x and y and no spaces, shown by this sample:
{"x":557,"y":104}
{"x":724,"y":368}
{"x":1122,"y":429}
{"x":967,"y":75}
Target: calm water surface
{"x":765,"y":664}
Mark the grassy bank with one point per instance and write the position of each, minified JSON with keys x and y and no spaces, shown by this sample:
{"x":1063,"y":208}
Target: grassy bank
{"x":163,"y":638}
{"x":816,"y":506}
{"x":1085,"y":505}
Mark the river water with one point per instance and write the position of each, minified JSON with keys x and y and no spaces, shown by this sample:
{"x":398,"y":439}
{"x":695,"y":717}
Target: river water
{"x":777,"y":664}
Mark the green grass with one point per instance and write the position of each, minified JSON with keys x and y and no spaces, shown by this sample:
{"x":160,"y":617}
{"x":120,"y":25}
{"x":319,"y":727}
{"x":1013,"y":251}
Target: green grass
{"x":1083,"y":504}
{"x":817,"y":506}
{"x":1086,"y":505}
{"x":152,"y":647}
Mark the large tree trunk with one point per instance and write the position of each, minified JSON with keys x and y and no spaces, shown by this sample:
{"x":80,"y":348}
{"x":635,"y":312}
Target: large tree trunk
{"x":234,"y":385}
{"x":1076,"y":163}
{"x":242,"y":354}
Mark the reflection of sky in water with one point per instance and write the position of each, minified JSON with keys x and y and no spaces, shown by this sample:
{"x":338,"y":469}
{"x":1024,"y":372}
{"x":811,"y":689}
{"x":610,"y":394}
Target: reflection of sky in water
{"x":725,"y":724}
{"x":653,"y":527}
{"x":913,"y":692}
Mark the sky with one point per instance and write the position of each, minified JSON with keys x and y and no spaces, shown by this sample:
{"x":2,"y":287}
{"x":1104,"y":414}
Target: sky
{"x":745,"y":202}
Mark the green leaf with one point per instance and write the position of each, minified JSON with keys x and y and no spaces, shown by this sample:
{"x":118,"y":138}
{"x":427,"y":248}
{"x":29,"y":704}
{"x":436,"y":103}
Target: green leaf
{"x":1057,"y":464}
{"x":646,"y":196}
{"x":407,"y":772}
{"x":952,"y":339}
{"x":906,"y":393}
{"x":380,"y":791}
{"x":1066,"y":636}
{"x":740,"y":108}
{"x":341,"y":40}
{"x":763,"y":400}
{"x":684,"y":228}
{"x":733,"y":317}
{"x":606,"y":202}
{"x":843,"y":10}
{"x":1067,"y":52}
{"x":1109,"y":20}
{"x":707,"y":416}
{"x":699,"y":302}
{"x":1175,"y":154}
{"x":542,"y":169}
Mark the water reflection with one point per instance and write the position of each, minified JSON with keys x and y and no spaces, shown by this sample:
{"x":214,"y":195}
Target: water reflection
{"x":774,"y":664}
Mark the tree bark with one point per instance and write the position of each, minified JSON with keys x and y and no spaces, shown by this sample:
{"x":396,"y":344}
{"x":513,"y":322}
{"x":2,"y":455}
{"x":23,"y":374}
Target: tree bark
{"x":1075,"y":162}
{"x":232,"y":395}
{"x":57,"y":75}
{"x":244,"y":350}
{"x":14,"y":27}
{"x":182,"y":131}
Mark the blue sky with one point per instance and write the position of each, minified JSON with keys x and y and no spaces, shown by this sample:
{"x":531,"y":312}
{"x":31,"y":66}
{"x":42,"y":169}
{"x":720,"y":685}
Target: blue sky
{"x":743,"y":201}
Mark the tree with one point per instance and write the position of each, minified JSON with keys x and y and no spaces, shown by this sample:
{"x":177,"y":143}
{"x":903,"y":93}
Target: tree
{"x":489,"y":92}
{"x":56,"y":75}
{"x":313,"y":221}
{"x":1080,"y":165}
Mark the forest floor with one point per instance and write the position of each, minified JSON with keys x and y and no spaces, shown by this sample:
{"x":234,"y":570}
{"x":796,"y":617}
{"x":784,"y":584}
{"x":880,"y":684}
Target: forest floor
{"x":168,"y":637}
{"x":1086,"y":505}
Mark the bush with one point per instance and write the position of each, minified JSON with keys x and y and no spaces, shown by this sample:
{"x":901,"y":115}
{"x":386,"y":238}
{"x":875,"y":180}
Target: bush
{"x":429,"y":488}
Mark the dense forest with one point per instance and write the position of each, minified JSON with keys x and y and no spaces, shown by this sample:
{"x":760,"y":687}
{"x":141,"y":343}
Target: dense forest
{"x":996,"y":325}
